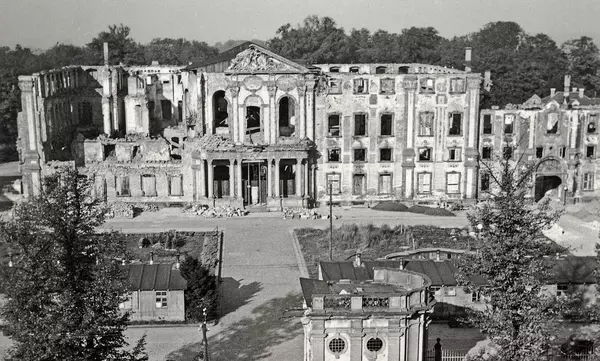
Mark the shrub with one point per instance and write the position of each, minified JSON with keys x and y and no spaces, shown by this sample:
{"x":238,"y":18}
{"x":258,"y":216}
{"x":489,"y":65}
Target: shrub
{"x":390,"y":206}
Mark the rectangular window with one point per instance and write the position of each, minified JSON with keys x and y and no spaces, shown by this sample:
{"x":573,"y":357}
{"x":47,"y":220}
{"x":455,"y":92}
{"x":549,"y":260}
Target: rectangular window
{"x":453,"y":183}
{"x":485,"y":181}
{"x":176,"y":185}
{"x":424,"y":183}
{"x":333,"y":155}
{"x":361,"y":86}
{"x":449,"y":291}
{"x":454,"y":154}
{"x":334,"y":179}
{"x":360,"y":125}
{"x":335,"y":86}
{"x":507,"y":152}
{"x":562,"y":152}
{"x":388,"y":86}
{"x":539,"y":152}
{"x":588,"y":181}
{"x":592,"y":123}
{"x":487,"y":124}
{"x":457,"y":85}
{"x":590,"y":151}
{"x":359,"y":186}
{"x":385,"y":184}
{"x":161,"y":299}
{"x":385,"y":155}
{"x":360,"y":155}
{"x":386,"y":124}
{"x":509,"y":121}
{"x":333,"y":125}
{"x":427,"y":85}
{"x":149,"y":185}
{"x":552,"y":126}
{"x":475,"y":297}
{"x":455,"y":124}
{"x":486,"y":152}
{"x":436,"y":290}
{"x":424,"y":154}
{"x":426,"y":123}
{"x":122,"y":186}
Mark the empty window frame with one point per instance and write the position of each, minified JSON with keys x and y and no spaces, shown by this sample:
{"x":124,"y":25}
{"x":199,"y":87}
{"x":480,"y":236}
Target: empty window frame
{"x":334,"y":179}
{"x":360,"y":155}
{"x":380,"y":70}
{"x":588,"y":181}
{"x":122,"y":186}
{"x":388,"y":86}
{"x":562,"y":289}
{"x":592,"y":123}
{"x":425,"y":154}
{"x":334,"y":155}
{"x":539,"y":152}
{"x":485,"y":181}
{"x":252,"y":119}
{"x":403,"y":69}
{"x":455,"y":126}
{"x":385,"y":155}
{"x":354,"y":69}
{"x":454,"y":154}
{"x":486,"y":152}
{"x":487,"y":124}
{"x":385,"y":183}
{"x":334,"y":69}
{"x":386,"y":124}
{"x":426,"y":123}
{"x":359,"y":184}
{"x":149,"y":185}
{"x":335,"y":86}
{"x":452,"y":182}
{"x":361,"y":86}
{"x":457,"y":85}
{"x":562,"y":152}
{"x":427,"y":85}
{"x":552,"y":125}
{"x":590,"y":151}
{"x":176,"y":185}
{"x":424,"y":182}
{"x":509,"y":123}
{"x":333,"y":125}
{"x":360,"y":125}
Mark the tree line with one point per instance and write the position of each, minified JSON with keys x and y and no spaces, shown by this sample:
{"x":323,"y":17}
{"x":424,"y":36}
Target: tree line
{"x":521,"y":64}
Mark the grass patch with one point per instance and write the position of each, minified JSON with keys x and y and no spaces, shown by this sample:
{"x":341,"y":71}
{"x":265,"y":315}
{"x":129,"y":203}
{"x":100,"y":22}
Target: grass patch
{"x":392,"y":206}
{"x":375,"y":242}
{"x":164,"y":245}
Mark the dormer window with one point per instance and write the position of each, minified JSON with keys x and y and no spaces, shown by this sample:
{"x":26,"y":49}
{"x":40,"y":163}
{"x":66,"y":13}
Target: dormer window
{"x":427,"y":85}
{"x":360,"y":86}
{"x":380,"y":70}
{"x":403,"y":69}
{"x":334,"y":69}
{"x":354,"y":69}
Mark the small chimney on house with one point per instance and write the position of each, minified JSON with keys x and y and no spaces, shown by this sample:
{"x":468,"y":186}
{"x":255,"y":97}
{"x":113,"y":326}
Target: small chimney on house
{"x":575,"y":90}
{"x":567,"y":83}
{"x":581,"y":92}
{"x":123,"y":262}
{"x":552,"y":92}
{"x":155,"y":63}
{"x":468,"y":51}
{"x":401,"y":263}
{"x":358,"y":260}
{"x":437,"y":255}
{"x":105,"y":54}
{"x":151,"y":257}
{"x":177,"y":265}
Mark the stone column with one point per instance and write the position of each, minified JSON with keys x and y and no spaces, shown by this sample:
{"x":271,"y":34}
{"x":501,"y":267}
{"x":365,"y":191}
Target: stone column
{"x":271,"y":128}
{"x":269,"y":177}
{"x":408,"y":154}
{"x":201,"y":178}
{"x":471,"y":150}
{"x":356,"y":335}
{"x":232,"y":182}
{"x":301,"y":119}
{"x":276,"y":178}
{"x":238,"y":182}
{"x":234,"y":119}
{"x":31,"y":158}
{"x":210,"y":173}
{"x":305,"y":187}
{"x":298,"y":175}
{"x":310,"y":104}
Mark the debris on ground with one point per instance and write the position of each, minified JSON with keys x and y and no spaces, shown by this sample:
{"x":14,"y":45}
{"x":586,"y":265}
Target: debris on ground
{"x":216,"y":212}
{"x":118,"y":209}
{"x":303,"y":213}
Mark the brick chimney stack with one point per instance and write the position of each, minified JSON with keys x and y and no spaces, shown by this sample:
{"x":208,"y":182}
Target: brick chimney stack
{"x":567,"y":83}
{"x":581,"y":92}
{"x":105,"y":54}
{"x":552,"y":92}
{"x":151,"y":257}
{"x":468,"y":51}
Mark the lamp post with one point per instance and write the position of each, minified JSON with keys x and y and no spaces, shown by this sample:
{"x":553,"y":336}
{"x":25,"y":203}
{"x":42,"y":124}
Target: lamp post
{"x":479,"y":228}
{"x":204,"y":338}
{"x":565,"y":196}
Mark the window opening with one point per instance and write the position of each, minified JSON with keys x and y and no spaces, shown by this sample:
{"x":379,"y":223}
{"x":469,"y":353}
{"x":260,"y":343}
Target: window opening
{"x":487,"y":124}
{"x":252,"y":120}
{"x":424,"y":154}
{"x":360,"y":155}
{"x":539,"y":152}
{"x":426,"y":123}
{"x":333,"y":125}
{"x":287,"y":117}
{"x":360,"y":124}
{"x":374,"y":344}
{"x":334,"y":155}
{"x":455,"y":124}
{"x":385,"y":154}
{"x":386,"y":124}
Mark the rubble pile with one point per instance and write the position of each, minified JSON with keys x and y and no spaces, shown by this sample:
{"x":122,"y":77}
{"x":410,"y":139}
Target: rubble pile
{"x":303,"y":213}
{"x":217,"y":212}
{"x":118,"y":209}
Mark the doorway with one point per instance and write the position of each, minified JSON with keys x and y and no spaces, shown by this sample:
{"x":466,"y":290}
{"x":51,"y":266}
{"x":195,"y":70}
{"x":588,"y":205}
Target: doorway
{"x":545,"y":183}
{"x":254,"y":182}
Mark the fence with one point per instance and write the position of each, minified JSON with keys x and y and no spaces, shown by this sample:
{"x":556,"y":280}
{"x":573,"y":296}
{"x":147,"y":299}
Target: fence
{"x":553,"y":355}
{"x":446,"y":355}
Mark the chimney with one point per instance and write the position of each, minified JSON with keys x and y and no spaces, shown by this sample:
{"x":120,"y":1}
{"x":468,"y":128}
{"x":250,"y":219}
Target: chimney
{"x":468,"y":59}
{"x":437,"y":255}
{"x":357,"y":260}
{"x":552,"y":92}
{"x":401,"y":263}
{"x":10,"y":262}
{"x":575,"y":90}
{"x":123,"y":262}
{"x":177,"y":264}
{"x":105,"y":54}
{"x":567,"y":83}
{"x":151,"y":257}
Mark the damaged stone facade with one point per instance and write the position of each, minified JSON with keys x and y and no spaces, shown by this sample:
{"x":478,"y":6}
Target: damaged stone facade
{"x":251,"y":128}
{"x":559,"y":134}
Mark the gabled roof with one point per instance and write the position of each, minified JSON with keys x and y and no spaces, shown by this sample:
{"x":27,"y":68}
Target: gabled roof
{"x":156,"y":277}
{"x":311,"y":286}
{"x":583,"y":101}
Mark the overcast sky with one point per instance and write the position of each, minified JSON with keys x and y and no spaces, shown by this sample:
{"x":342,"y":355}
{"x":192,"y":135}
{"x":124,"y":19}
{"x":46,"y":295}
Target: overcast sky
{"x":43,"y":23}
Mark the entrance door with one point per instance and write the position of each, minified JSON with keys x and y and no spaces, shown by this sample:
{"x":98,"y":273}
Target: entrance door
{"x":545,"y":183}
{"x":254,"y":182}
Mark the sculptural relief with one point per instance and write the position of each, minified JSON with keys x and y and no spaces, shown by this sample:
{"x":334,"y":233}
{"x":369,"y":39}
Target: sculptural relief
{"x":286,"y":83}
{"x":253,"y":83}
{"x":253,"y":60}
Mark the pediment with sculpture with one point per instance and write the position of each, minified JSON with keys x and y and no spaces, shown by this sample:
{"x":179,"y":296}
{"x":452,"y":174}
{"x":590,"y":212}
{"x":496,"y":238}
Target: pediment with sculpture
{"x":257,"y":60}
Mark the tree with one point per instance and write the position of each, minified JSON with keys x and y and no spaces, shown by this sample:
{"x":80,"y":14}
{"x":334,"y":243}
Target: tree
{"x":65,"y":286}
{"x":519,"y":317}
{"x":121,"y":47}
{"x":201,"y":291}
{"x":584,"y":63}
{"x":177,"y":51}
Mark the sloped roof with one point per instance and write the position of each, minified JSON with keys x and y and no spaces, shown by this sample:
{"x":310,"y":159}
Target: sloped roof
{"x":578,"y":270}
{"x":559,"y":97}
{"x":312,"y":286}
{"x":156,"y":277}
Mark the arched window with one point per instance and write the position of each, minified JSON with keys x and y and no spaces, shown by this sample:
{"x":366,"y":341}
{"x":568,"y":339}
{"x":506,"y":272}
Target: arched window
{"x":220,"y":111}
{"x":287,"y":116}
{"x":334,"y":69}
{"x":380,"y":70}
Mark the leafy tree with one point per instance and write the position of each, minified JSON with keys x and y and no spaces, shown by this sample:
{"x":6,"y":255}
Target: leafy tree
{"x":66,"y":54}
{"x":177,"y":51}
{"x":121,"y":47}
{"x":519,"y":317}
{"x":65,"y":286}
{"x":584,"y":63}
{"x":419,"y":45}
{"x":231,"y":43}
{"x":201,"y":291}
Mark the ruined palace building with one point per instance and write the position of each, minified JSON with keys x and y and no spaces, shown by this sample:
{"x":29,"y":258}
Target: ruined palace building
{"x":252,"y":128}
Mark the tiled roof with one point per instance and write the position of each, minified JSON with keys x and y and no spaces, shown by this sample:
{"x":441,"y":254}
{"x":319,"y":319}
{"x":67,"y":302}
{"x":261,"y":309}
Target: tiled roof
{"x":156,"y":277}
{"x":559,"y":97}
{"x":311,"y":286}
